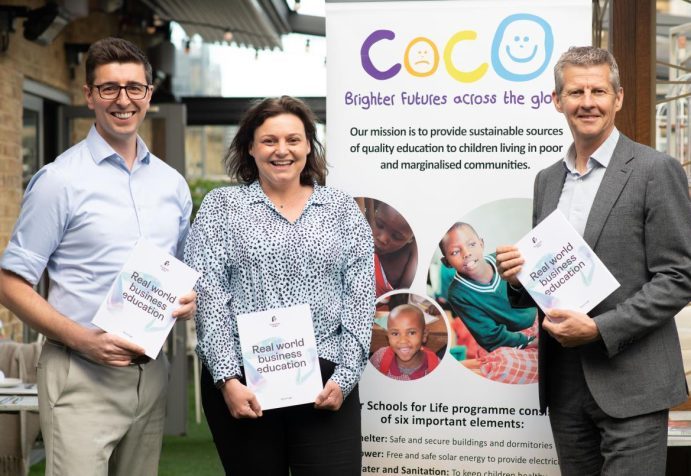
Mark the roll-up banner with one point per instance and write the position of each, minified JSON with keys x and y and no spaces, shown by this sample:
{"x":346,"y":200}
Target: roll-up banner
{"x":439,"y":116}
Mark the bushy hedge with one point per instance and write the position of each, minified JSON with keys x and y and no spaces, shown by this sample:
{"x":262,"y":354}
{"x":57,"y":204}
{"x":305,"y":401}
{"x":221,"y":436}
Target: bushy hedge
{"x":199,"y":188}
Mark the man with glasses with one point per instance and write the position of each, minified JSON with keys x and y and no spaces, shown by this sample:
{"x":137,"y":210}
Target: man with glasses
{"x":102,"y":401}
{"x":610,"y":377}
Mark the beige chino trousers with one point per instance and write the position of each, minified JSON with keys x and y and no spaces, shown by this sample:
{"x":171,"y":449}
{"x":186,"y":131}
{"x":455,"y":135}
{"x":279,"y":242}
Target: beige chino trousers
{"x":99,"y":420}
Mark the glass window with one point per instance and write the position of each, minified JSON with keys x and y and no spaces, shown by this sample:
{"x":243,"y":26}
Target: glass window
{"x":205,"y":147}
{"x":31,"y":160}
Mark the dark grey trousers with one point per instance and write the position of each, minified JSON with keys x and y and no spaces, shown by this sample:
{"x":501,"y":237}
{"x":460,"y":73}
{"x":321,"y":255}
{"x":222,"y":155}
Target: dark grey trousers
{"x":588,"y":441}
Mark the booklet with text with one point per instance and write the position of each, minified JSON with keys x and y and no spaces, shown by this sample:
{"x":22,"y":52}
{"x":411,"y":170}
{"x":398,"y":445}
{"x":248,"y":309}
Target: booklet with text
{"x":279,"y":353}
{"x":141,"y":301}
{"x":561,"y":271}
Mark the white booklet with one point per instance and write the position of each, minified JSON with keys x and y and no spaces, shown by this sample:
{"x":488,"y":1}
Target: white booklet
{"x":561,"y":271}
{"x":279,"y":353}
{"x":140,"y":302}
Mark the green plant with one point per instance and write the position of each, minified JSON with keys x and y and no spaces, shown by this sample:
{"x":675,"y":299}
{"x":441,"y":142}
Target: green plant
{"x":199,"y":188}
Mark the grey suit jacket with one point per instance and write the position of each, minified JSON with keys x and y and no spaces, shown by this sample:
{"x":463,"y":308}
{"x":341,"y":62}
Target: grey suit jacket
{"x":640,"y":227}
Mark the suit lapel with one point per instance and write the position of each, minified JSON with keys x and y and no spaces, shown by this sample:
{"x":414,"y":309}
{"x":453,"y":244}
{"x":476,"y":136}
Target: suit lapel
{"x":617,"y":174}
{"x":554,"y":183}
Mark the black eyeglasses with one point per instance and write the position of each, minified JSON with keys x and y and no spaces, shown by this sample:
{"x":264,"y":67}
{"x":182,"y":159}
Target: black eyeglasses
{"x":112,"y":90}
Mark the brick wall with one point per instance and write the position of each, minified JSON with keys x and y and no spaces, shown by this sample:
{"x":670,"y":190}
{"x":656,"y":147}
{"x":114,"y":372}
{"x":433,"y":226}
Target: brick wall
{"x":10,"y":163}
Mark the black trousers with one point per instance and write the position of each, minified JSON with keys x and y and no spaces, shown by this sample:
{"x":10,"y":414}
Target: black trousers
{"x":306,"y":441}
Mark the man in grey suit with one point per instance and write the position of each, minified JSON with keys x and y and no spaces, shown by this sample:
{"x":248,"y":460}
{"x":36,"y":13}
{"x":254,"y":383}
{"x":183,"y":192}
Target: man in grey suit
{"x":610,"y":377}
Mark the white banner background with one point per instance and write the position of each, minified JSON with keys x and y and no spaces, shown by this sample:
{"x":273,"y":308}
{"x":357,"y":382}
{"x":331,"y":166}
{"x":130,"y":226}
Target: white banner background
{"x":495,"y":200}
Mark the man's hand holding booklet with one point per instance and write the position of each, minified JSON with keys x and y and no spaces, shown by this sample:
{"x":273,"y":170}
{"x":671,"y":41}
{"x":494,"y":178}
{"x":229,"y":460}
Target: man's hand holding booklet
{"x":560,"y":270}
{"x":141,"y":301}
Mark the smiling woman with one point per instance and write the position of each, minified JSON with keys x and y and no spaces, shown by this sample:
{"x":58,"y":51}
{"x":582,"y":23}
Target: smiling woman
{"x":282,"y":239}
{"x":276,"y":144}
{"x":280,"y":151}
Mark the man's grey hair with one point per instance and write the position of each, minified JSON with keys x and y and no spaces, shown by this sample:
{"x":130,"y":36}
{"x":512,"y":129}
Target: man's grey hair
{"x":586,"y":56}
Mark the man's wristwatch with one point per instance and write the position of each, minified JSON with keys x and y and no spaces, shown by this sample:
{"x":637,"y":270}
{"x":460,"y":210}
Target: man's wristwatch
{"x":518,"y":288}
{"x":221,"y":382}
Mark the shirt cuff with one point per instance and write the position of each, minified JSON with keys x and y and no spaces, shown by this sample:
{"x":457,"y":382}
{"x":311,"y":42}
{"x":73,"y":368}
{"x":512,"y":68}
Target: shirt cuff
{"x":24,"y":263}
{"x":344,"y":379}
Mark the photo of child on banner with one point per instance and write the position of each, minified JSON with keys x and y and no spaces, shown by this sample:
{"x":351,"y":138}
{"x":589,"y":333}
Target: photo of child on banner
{"x":395,"y":248}
{"x":409,"y":337}
{"x":493,"y":339}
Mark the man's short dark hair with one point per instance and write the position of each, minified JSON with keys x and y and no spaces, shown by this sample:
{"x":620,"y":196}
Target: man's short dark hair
{"x":114,"y":50}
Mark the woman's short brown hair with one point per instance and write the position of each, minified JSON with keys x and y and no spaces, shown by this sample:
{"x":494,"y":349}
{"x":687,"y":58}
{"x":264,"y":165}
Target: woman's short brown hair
{"x":241,"y":166}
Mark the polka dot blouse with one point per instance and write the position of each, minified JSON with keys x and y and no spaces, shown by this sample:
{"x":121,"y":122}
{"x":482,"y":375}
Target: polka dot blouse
{"x":252,"y":259}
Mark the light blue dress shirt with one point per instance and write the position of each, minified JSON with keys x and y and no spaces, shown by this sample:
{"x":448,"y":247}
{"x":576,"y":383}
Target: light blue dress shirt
{"x":578,"y":193}
{"x":82,"y":215}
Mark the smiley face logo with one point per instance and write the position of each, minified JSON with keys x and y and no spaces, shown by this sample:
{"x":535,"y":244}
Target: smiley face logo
{"x":522,"y":47}
{"x":421,"y":57}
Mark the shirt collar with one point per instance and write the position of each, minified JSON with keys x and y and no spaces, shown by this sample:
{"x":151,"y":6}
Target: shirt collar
{"x":100,"y":149}
{"x":600,"y":157}
{"x":320,"y":195}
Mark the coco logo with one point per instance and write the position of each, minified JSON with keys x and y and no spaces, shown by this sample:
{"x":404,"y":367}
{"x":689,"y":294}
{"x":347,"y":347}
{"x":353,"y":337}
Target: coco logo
{"x":521,"y":50}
